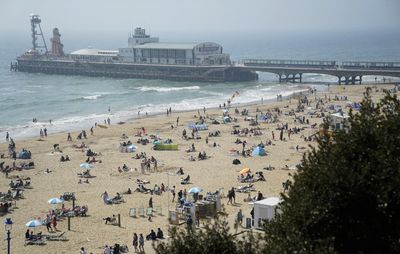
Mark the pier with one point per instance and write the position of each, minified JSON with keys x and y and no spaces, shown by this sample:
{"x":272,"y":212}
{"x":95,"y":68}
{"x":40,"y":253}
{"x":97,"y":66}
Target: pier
{"x":348,"y":72}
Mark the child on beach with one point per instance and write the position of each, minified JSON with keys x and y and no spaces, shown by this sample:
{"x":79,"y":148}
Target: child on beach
{"x":141,"y":243}
{"x":135,"y":242}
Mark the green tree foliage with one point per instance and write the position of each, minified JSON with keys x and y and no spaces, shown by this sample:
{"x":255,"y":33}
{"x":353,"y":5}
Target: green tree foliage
{"x":213,"y":238}
{"x":345,"y":197}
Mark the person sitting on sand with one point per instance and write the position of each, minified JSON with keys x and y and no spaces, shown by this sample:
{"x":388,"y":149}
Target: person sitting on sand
{"x":259,"y":196}
{"x":156,"y":189}
{"x":248,"y":198}
{"x":67,"y":158}
{"x":185,"y":180}
{"x":62,"y":159}
{"x":152,"y":236}
{"x":180,"y":171}
{"x":160,"y":234}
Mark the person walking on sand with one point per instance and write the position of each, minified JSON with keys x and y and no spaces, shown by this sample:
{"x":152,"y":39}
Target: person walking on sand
{"x":173,"y":193}
{"x":54,"y":222}
{"x":233,"y":195}
{"x":69,"y":138}
{"x":239,"y":218}
{"x":141,"y":243}
{"x":7,"y":136}
{"x":135,"y":242}
{"x":177,"y":121}
{"x":151,"y":202}
{"x":229,"y":197}
{"x":189,"y":223}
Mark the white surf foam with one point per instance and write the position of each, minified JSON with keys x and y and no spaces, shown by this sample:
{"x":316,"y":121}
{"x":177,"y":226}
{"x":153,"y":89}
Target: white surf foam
{"x":91,"y":97}
{"x":166,"y":89}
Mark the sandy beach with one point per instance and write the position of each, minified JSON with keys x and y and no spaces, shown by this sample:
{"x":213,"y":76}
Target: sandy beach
{"x":216,"y":172}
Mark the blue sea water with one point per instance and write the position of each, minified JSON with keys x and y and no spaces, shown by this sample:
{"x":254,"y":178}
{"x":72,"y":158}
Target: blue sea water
{"x":75,"y":102}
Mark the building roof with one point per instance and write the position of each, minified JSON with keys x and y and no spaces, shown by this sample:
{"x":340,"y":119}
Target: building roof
{"x":271,"y":201}
{"x":95,"y":52}
{"x":154,"y":45}
{"x":340,"y":115}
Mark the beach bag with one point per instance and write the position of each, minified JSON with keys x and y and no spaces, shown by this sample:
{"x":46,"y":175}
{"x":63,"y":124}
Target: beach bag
{"x":236,"y":162}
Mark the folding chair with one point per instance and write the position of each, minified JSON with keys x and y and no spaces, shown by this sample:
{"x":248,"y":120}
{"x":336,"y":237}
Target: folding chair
{"x":149,"y":211}
{"x":157,"y":210}
{"x":132,"y":212}
{"x":140,"y":211}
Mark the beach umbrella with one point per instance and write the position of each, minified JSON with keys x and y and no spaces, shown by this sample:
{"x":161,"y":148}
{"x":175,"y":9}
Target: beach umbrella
{"x":86,"y":166}
{"x":33,"y":223}
{"x":244,"y":171}
{"x":195,"y":190}
{"x":55,"y":201}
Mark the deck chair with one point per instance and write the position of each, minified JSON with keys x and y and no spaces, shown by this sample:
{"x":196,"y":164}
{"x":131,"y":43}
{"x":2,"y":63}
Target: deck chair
{"x":149,"y":211}
{"x":157,"y":210}
{"x":59,"y":237}
{"x":34,"y":242}
{"x":132,"y":212}
{"x":140,"y":211}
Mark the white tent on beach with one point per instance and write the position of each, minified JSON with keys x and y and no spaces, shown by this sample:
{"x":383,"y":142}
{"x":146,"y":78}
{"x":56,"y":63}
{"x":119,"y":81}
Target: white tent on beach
{"x":265,"y":210}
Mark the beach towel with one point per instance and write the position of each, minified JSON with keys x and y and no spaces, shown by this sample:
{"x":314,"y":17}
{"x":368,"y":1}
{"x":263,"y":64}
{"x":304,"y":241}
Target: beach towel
{"x":199,"y":127}
{"x":165,"y":147}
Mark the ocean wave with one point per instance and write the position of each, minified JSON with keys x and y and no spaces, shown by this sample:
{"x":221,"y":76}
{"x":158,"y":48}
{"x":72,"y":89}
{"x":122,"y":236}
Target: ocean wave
{"x":166,"y":89}
{"x":92,"y":97}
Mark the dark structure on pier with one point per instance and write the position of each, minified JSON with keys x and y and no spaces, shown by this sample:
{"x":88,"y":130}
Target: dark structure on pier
{"x":146,"y":58}
{"x":346,"y":72}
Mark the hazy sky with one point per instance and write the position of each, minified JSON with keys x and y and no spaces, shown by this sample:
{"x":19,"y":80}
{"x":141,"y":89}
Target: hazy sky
{"x":202,"y":16}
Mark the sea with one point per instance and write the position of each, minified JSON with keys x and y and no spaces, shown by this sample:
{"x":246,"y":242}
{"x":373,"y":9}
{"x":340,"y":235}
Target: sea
{"x":77,"y":102}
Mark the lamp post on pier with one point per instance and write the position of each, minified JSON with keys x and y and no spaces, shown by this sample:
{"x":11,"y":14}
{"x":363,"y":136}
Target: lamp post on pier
{"x":8,"y":226}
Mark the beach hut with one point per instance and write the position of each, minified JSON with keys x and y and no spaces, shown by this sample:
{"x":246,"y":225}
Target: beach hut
{"x":258,"y":151}
{"x":340,"y":121}
{"x":265,"y":210}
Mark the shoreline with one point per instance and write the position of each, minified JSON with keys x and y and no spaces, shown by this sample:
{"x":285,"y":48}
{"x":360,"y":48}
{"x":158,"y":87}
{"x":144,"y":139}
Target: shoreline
{"x":132,"y":117}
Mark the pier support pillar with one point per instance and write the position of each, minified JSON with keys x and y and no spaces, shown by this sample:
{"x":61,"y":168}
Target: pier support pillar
{"x":360,"y":80}
{"x":300,"y":77}
{"x":353,"y":80}
{"x":346,"y":80}
{"x":339,"y":80}
{"x":280,"y":78}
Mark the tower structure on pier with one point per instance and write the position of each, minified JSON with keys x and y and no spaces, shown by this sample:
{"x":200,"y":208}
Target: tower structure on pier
{"x":56,"y":45}
{"x":35,"y":23}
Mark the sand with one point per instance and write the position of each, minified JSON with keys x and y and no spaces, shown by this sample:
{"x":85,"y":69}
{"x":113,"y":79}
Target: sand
{"x":211,"y":174}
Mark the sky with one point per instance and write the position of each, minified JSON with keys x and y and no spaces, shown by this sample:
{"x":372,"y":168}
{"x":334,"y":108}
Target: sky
{"x":202,"y":16}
